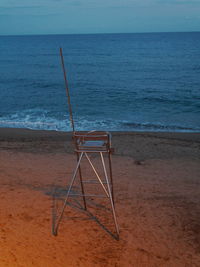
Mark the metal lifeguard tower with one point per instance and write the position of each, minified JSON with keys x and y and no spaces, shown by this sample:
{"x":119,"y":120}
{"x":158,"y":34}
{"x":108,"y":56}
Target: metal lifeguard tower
{"x":87,"y":143}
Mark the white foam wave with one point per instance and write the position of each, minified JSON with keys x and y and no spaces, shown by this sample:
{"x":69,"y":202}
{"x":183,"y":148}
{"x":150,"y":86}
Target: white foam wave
{"x":39,"y":119}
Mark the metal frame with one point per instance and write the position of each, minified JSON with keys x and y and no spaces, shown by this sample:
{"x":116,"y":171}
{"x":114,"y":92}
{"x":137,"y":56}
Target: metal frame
{"x":85,"y":143}
{"x":88,"y":143}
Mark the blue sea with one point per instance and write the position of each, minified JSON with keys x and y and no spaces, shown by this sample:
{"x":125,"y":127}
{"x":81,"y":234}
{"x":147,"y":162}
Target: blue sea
{"x":122,"y":82}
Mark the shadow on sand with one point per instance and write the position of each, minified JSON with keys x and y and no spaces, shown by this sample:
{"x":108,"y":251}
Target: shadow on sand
{"x":58,"y":198}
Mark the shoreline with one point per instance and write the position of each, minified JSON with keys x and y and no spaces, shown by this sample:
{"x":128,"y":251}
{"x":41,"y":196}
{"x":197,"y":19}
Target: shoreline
{"x":38,"y":132}
{"x":139,"y":145}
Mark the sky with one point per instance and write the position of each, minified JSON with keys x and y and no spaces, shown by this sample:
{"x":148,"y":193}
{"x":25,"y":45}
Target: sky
{"x":19,"y":17}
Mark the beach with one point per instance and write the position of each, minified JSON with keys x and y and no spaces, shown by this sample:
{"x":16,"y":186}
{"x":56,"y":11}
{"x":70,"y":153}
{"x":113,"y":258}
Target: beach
{"x":157,"y":201}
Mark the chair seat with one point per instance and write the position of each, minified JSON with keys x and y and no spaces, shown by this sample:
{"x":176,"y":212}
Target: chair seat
{"x":92,"y":141}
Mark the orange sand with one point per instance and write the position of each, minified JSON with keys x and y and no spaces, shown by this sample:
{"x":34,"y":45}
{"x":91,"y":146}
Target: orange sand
{"x":157,"y":196}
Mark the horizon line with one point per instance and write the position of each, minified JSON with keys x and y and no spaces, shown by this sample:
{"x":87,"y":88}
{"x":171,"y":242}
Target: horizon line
{"x":148,"y":32}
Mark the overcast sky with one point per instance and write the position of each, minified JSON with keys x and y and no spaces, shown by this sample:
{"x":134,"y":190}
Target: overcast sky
{"x":98,"y":16}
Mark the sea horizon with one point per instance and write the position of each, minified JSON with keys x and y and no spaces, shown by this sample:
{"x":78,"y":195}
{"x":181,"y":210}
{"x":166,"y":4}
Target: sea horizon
{"x":102,"y":33}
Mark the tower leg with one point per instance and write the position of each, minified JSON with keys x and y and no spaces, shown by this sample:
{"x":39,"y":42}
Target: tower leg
{"x":66,"y":198}
{"x":111,"y":176}
{"x":110,"y":194}
{"x":81,"y":181}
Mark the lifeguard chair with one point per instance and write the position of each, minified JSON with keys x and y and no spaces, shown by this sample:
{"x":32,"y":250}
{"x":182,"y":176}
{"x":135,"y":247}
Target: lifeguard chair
{"x":87,"y":143}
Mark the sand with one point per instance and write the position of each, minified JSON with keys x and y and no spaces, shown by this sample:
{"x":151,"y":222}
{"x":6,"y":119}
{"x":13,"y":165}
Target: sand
{"x":157,"y":199}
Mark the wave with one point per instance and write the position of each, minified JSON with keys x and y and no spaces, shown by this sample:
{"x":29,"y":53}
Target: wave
{"x":159,"y":127}
{"x":39,"y":119}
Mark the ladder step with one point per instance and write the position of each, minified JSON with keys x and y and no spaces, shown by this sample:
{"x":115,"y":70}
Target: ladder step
{"x":81,"y":195}
{"x":93,"y":182}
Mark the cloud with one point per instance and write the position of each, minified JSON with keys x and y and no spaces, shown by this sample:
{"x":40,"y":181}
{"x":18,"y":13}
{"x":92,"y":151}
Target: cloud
{"x":179,"y":2}
{"x":3,"y":8}
{"x":19,"y":10}
{"x":11,"y":6}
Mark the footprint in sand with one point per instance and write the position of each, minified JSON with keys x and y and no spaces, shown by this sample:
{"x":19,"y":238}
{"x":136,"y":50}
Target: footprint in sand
{"x":26,"y":217}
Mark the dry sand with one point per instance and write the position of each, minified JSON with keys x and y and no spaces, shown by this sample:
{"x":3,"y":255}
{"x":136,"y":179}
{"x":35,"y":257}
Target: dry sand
{"x":157,"y":197}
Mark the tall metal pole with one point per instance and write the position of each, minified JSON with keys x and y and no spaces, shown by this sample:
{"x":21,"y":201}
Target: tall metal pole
{"x":72,"y":123}
{"x":67,"y":91}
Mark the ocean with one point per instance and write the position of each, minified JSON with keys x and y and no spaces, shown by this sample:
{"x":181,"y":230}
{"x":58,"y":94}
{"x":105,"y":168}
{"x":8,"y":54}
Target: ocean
{"x":118,"y":82}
